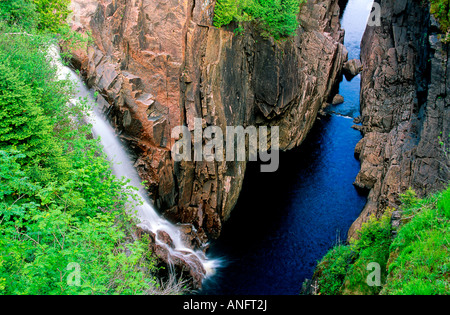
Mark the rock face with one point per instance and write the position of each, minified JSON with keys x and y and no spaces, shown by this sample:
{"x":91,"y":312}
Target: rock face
{"x":405,"y":99}
{"x":161,"y":64}
{"x":352,"y":68}
{"x":337,"y":99}
{"x":185,"y":264}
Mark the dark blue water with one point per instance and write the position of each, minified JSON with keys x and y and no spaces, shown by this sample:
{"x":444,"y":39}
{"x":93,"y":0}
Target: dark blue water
{"x":286,"y":221}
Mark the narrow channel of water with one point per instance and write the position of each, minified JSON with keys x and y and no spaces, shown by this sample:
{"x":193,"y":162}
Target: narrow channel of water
{"x":286,"y":221}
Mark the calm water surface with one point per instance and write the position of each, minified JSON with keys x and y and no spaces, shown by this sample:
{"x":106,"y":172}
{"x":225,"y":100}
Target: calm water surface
{"x":286,"y":221}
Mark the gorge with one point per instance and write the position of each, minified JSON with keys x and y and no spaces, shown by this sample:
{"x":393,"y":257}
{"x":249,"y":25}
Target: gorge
{"x":169,"y":240}
{"x":285,"y":222}
{"x":157,"y":65}
{"x":224,"y":147}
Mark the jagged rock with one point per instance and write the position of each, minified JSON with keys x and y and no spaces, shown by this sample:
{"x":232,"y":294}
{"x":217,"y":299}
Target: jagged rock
{"x":164,"y":237}
{"x":358,"y":127}
{"x":162,"y":64}
{"x":193,"y":238}
{"x":357,"y":120}
{"x":404,"y":101}
{"x":337,"y":99}
{"x":352,"y":67}
{"x":183,"y":263}
{"x":396,"y":220}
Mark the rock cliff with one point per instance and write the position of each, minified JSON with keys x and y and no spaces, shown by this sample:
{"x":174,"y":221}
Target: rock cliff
{"x":405,"y":107}
{"x":161,"y":64}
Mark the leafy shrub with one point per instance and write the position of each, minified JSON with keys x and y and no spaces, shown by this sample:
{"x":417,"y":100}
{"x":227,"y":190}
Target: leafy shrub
{"x":224,"y":12}
{"x":422,"y":259}
{"x":22,"y":124}
{"x":441,"y":10}
{"x":276,"y":18}
{"x":416,"y":262}
{"x":372,"y":246}
{"x":444,"y":204}
{"x":333,"y":268}
{"x":46,"y":228}
{"x":32,"y":98}
{"x":60,"y":204}
{"x":48,"y":15}
{"x":19,"y":12}
{"x":52,"y":14}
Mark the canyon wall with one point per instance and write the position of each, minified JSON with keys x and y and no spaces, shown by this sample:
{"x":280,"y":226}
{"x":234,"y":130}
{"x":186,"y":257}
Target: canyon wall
{"x":405,"y":107}
{"x":161,"y":64}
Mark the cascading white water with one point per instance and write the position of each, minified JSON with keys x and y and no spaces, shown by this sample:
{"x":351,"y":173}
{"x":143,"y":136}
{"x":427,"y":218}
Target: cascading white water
{"x":122,"y":166}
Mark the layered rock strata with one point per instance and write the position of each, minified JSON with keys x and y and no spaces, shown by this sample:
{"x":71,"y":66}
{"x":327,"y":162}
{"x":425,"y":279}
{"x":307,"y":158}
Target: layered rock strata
{"x":405,"y":97}
{"x":161,"y":64}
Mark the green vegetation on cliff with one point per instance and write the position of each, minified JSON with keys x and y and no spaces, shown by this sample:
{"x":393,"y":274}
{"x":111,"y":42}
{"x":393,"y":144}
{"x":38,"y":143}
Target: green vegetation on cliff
{"x":415,"y":262}
{"x":42,"y":14}
{"x":441,"y":10}
{"x":64,"y":228}
{"x":276,"y":18}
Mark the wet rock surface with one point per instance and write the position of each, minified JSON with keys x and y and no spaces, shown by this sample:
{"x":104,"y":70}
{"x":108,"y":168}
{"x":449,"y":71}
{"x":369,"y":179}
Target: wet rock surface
{"x":183,"y":264}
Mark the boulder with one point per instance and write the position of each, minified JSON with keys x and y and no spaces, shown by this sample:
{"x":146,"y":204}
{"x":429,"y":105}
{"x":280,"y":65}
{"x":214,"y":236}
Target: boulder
{"x":183,"y":263}
{"x":165,"y":238}
{"x":352,"y":67}
{"x":337,"y":99}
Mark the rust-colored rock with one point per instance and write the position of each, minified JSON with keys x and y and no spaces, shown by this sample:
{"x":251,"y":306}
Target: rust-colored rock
{"x":160,"y":64}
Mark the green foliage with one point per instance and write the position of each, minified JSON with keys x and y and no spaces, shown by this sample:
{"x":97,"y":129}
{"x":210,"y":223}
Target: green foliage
{"x":49,"y":15}
{"x":333,"y":268}
{"x":46,"y":228}
{"x":420,"y":259}
{"x":409,"y":199}
{"x":52,"y":14}
{"x":372,"y":246}
{"x":22,"y":124}
{"x":344,"y":269}
{"x":224,"y":12}
{"x":60,"y":205}
{"x":276,"y":18}
{"x":42,"y":16}
{"x":444,"y":204}
{"x":31,"y":97}
{"x":19,"y":13}
{"x":441,"y":10}
{"x":416,"y":262}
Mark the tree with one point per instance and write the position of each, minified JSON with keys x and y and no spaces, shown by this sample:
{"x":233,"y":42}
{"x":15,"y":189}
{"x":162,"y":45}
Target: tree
{"x":22,"y":124}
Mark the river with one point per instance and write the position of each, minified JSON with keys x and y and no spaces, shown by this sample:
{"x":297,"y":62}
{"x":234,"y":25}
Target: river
{"x":285,"y":222}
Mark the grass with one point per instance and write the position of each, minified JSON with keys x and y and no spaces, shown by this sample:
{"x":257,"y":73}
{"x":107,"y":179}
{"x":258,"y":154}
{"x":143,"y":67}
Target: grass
{"x":415,"y":262}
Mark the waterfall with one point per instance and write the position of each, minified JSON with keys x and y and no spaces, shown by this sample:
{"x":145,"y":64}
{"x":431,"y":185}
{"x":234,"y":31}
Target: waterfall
{"x":122,"y":166}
